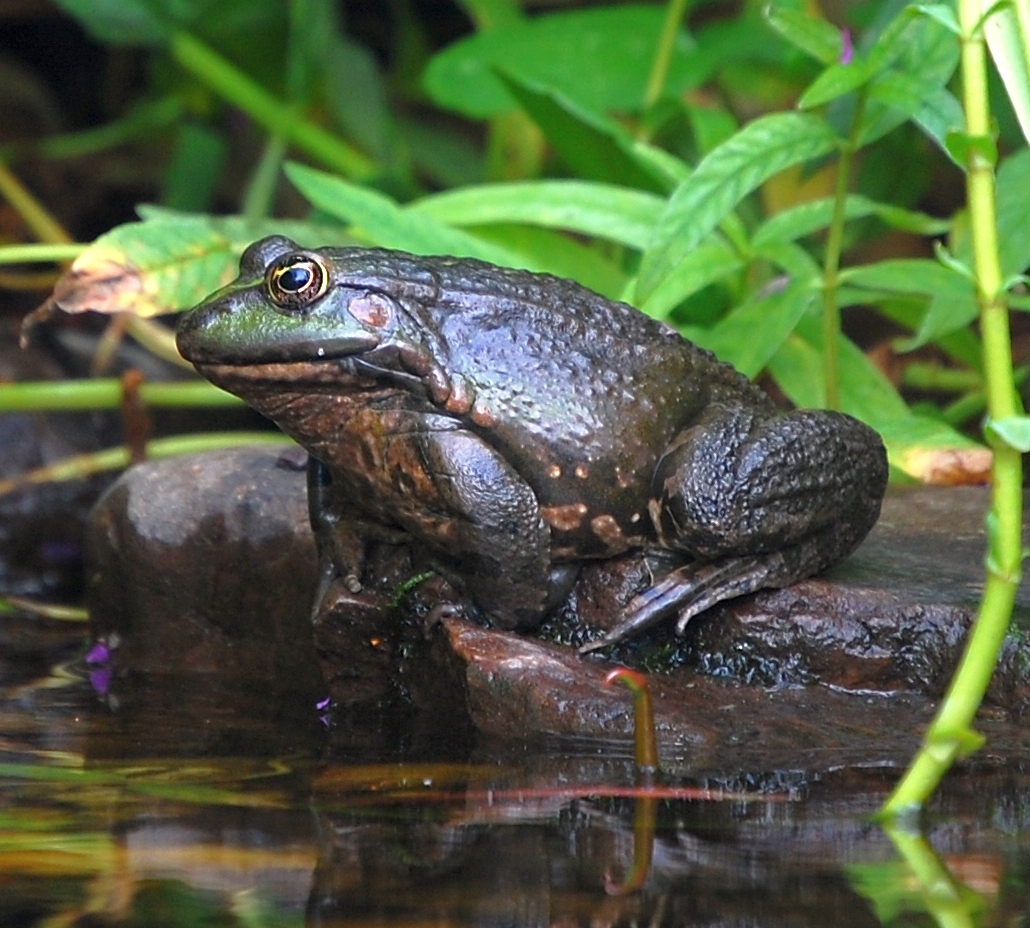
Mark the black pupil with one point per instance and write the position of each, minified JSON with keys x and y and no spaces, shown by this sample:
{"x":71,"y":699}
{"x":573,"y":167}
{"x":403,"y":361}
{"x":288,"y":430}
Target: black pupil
{"x":296,"y":278}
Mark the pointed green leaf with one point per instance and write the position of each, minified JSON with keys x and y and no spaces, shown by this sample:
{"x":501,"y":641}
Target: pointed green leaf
{"x":946,"y":314}
{"x":806,"y":218}
{"x":712,"y":260}
{"x":1013,"y":431}
{"x":381,"y":221}
{"x":908,"y":275}
{"x":724,"y":177}
{"x":865,"y":393}
{"x":835,"y":81}
{"x":605,"y":211}
{"x":1007,"y":31}
{"x":600,"y":58}
{"x":812,"y":34}
{"x":943,"y":13}
{"x":752,"y":333}
{"x":551,"y":252}
{"x":593,"y":146}
{"x":962,"y":147}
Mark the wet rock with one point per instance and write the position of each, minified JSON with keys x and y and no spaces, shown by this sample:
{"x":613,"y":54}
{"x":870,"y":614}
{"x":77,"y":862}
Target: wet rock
{"x":199,"y":564}
{"x":892,"y":617}
{"x":207,"y":563}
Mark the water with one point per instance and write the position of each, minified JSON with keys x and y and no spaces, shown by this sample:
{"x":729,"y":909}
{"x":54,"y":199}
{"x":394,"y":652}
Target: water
{"x":193,"y":803}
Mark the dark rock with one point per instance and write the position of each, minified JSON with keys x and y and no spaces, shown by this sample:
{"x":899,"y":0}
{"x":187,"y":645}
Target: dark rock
{"x":201,"y":564}
{"x":207,"y":563}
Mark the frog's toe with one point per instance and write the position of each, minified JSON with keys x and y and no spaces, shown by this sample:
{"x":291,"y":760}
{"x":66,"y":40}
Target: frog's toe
{"x":690,"y":590}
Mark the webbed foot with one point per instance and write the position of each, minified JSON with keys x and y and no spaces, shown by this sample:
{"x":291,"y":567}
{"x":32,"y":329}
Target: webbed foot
{"x":689,"y":590}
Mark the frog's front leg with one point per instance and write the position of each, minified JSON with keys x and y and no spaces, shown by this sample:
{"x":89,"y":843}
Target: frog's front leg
{"x":757,"y":502}
{"x":486,"y":529}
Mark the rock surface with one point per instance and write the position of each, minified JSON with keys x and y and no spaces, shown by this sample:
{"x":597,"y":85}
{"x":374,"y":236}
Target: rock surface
{"x":207,"y":564}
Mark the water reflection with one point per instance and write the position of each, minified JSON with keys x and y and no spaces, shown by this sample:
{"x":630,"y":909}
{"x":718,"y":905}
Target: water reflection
{"x":197,"y":805}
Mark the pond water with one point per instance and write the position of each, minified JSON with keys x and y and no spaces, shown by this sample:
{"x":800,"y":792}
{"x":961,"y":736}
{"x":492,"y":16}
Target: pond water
{"x":185,"y":802}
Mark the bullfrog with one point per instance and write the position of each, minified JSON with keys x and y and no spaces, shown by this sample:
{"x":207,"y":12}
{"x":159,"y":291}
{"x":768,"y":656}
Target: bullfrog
{"x":512,"y":425}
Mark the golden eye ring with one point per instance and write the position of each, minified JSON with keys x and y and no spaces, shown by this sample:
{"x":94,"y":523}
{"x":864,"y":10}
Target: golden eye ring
{"x":297,"y":280}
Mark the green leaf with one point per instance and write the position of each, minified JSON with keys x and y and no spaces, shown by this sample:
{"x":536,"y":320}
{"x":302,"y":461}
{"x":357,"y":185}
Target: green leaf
{"x":792,"y":258}
{"x":924,"y":63}
{"x":943,"y":13}
{"x":601,"y":210}
{"x":170,"y":261}
{"x":752,"y":333}
{"x":712,"y":260}
{"x":600,"y":58}
{"x":593,"y":146}
{"x":554,"y":253}
{"x":380,"y":221}
{"x":724,"y":177}
{"x":120,"y":22}
{"x":933,"y":108}
{"x":356,"y":94}
{"x":1014,"y":431}
{"x":1013,"y":199}
{"x":812,"y":34}
{"x":489,"y":14}
{"x":806,"y":218}
{"x":835,"y":81}
{"x":946,"y":314}
{"x":865,"y":393}
{"x":909,"y":275}
{"x":964,"y":147}
{"x":1007,"y":31}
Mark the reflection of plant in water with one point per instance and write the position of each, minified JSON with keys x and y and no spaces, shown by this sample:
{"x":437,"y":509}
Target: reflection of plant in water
{"x":921,"y":882}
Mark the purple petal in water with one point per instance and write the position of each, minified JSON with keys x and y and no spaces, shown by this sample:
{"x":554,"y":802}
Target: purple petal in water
{"x":100,"y":653}
{"x":100,"y":680}
{"x":323,"y":703}
{"x":847,"y":49}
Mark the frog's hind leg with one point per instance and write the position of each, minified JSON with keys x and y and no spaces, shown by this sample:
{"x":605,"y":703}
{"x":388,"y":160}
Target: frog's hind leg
{"x":756,"y":502}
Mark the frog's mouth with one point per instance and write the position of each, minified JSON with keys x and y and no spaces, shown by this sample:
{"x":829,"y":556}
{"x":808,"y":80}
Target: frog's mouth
{"x":314,"y":376}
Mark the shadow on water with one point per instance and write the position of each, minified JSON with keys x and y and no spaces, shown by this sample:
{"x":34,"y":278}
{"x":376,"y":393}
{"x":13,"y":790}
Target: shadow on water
{"x":198,"y":803}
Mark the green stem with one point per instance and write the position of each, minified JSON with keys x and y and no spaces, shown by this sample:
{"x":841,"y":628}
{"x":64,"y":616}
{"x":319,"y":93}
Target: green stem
{"x":267,"y":110}
{"x":942,"y":894}
{"x":663,"y":54}
{"x":84,"y":465}
{"x":33,"y":254}
{"x":141,"y":120}
{"x":106,"y":393}
{"x":831,"y":262}
{"x":42,"y":224}
{"x":949,"y":735}
{"x":933,"y":377}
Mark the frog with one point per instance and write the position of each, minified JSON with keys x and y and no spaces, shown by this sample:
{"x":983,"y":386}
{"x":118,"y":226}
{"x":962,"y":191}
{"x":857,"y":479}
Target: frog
{"x":512,"y":425}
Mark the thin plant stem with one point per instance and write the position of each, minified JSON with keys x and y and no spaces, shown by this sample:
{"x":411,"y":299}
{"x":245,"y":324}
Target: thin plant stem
{"x":80,"y":466}
{"x":42,"y":224}
{"x":267,"y":110}
{"x":949,"y":735}
{"x":663,"y":54}
{"x":831,"y":261}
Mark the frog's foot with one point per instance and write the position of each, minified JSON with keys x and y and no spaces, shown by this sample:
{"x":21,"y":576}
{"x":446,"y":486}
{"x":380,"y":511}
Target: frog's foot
{"x":690,"y":590}
{"x":328,"y":574}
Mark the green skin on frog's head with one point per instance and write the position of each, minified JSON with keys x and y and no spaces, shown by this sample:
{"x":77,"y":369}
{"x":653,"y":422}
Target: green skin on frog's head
{"x":512,"y":425}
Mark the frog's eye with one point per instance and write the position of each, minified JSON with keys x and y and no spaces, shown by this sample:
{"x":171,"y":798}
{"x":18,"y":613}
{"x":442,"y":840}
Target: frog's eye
{"x":297,"y":280}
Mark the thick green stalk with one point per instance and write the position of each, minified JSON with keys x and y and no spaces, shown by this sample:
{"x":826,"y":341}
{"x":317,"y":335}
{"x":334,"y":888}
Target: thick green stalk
{"x":831,"y":261}
{"x":106,"y":393}
{"x":267,"y":110}
{"x":949,"y":735}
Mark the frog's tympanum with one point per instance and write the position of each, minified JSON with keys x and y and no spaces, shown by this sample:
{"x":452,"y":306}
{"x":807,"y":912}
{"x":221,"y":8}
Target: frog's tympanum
{"x":511,"y":425}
